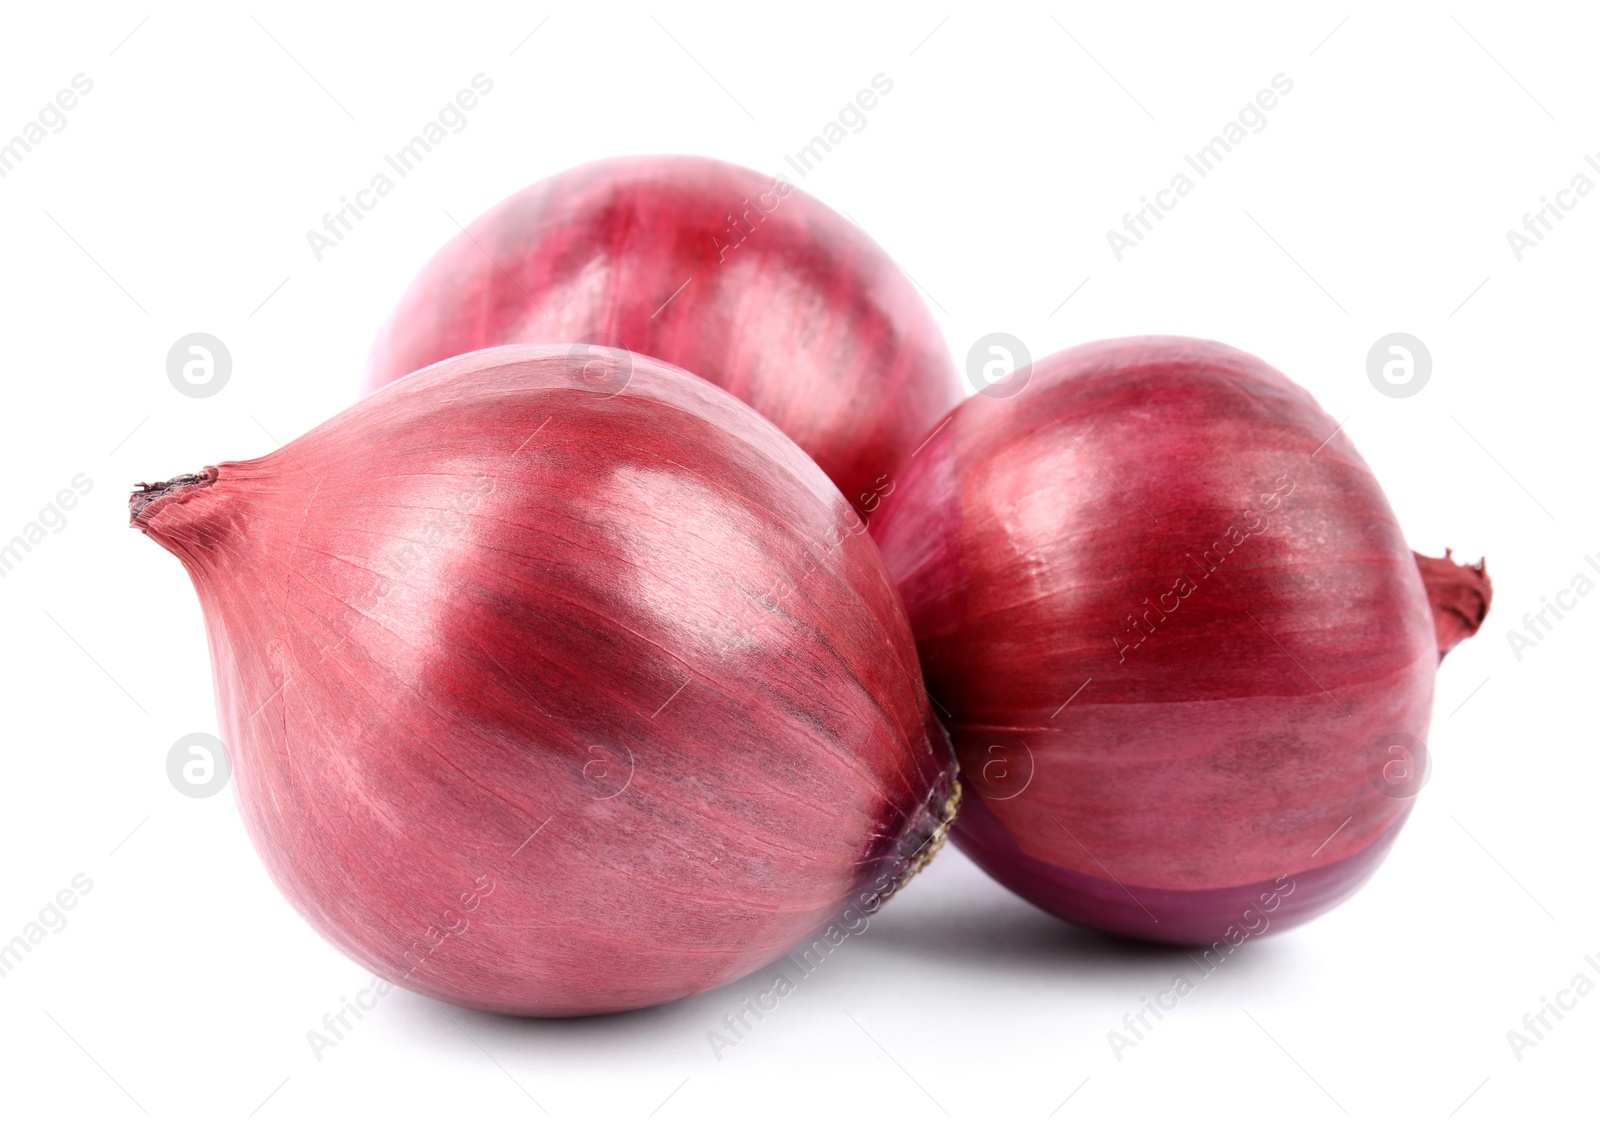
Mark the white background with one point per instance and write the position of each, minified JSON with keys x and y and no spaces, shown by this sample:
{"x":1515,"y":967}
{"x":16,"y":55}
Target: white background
{"x":1377,"y":199}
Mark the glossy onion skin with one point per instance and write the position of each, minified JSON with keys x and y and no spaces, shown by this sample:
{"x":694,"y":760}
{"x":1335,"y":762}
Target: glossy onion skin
{"x":1218,"y":771}
{"x":558,"y":688}
{"x":805,"y":318}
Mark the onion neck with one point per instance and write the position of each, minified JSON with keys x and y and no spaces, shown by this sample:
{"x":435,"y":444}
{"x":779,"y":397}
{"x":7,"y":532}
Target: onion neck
{"x":929,"y":828}
{"x":200,"y":517}
{"x":1459,"y":596}
{"x":150,"y":496}
{"x":943,"y":806}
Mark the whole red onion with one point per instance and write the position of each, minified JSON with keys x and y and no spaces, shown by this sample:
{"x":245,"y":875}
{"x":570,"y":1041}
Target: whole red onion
{"x":738,"y":277}
{"x":558,"y":686}
{"x":1187,"y":656}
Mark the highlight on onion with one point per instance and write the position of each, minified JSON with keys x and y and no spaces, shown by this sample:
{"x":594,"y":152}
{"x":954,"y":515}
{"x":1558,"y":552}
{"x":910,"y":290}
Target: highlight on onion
{"x":737,"y":277}
{"x":1187,"y":656}
{"x":559,"y":682}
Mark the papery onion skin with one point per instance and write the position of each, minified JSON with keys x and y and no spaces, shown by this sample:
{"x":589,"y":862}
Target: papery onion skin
{"x":1186,"y":655}
{"x":735,"y":276}
{"x":1460,"y":597}
{"x":559,"y":686}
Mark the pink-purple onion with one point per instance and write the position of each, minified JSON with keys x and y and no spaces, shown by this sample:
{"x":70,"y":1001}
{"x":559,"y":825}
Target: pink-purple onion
{"x":737,"y":277}
{"x":559,"y":686}
{"x":1186,"y":656}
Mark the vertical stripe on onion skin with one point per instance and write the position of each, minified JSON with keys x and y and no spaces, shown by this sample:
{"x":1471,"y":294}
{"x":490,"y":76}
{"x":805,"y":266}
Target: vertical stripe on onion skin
{"x":731,"y":274}
{"x":1187,"y":655}
{"x":559,"y":687}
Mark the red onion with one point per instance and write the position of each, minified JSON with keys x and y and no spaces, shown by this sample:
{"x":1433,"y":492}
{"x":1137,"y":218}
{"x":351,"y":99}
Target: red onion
{"x":740,"y":278}
{"x":1187,"y":656}
{"x":558,"y":686}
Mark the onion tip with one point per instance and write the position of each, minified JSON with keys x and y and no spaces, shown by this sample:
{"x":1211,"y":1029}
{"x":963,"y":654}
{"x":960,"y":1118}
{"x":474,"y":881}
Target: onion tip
{"x":1459,"y":595}
{"x":146,"y":495}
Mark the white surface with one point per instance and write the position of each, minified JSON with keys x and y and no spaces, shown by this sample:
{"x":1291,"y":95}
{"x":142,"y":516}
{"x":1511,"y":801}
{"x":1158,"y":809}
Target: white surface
{"x":184,"y":985}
